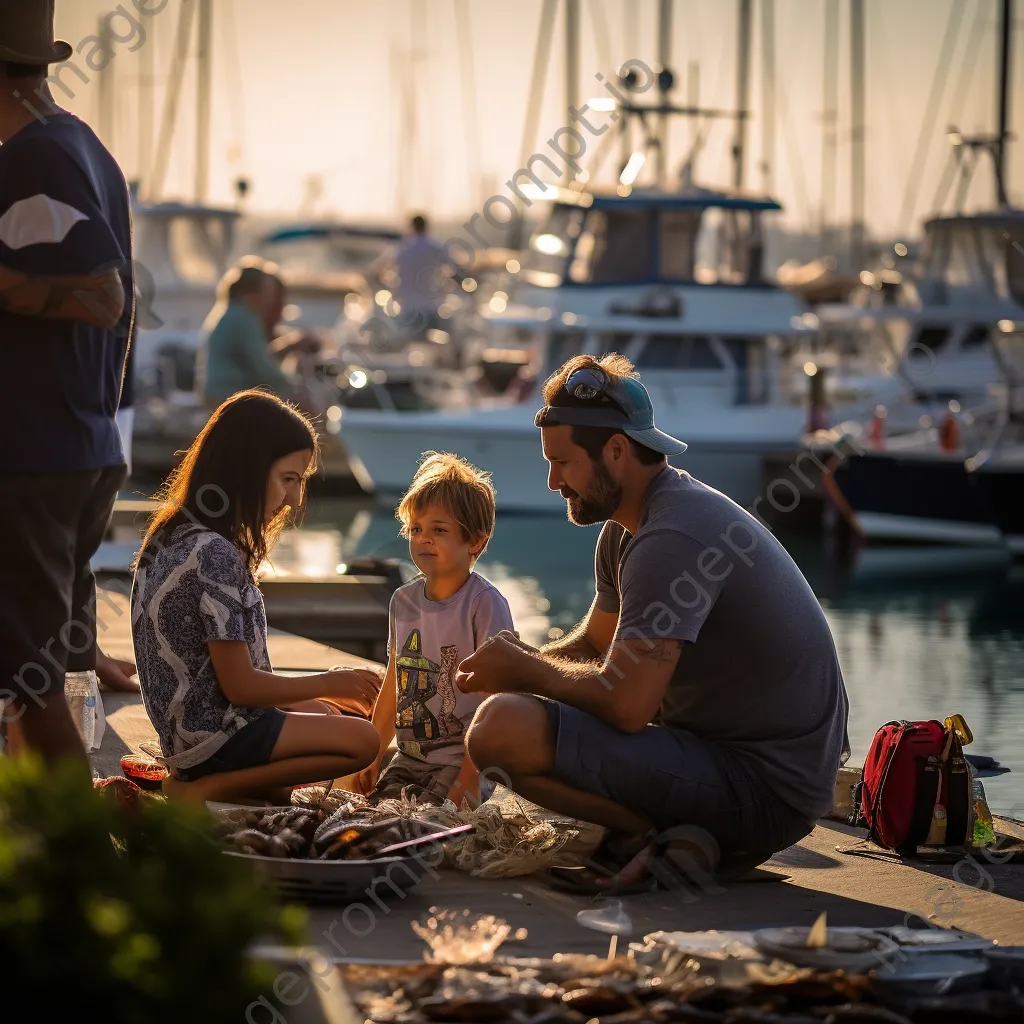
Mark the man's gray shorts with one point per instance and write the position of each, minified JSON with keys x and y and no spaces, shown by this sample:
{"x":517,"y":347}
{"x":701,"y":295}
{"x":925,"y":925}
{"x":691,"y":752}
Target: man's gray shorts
{"x":675,"y":778}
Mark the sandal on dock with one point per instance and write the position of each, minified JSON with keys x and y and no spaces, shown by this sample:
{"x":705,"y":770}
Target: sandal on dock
{"x":602,"y":874}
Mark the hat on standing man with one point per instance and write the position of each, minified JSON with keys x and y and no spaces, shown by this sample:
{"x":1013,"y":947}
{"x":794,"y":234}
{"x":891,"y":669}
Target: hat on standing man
{"x":26,"y":34}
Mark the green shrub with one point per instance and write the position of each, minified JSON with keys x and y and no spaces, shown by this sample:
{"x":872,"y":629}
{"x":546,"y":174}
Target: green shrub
{"x":123,"y":914}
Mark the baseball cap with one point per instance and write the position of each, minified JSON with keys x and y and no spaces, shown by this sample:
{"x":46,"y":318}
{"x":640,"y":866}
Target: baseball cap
{"x":619,"y":403}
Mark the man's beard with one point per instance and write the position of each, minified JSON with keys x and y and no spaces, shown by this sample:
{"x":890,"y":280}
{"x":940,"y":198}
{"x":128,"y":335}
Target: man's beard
{"x":599,"y":503}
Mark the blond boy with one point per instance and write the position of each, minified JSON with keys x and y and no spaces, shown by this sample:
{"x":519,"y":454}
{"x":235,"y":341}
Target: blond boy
{"x":435,"y":622}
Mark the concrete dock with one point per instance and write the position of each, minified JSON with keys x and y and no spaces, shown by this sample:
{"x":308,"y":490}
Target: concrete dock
{"x":813,"y":876}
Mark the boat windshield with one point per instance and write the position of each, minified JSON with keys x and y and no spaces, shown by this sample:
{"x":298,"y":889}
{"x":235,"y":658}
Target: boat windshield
{"x":988,"y":256}
{"x":647,"y":243}
{"x":550,"y":247}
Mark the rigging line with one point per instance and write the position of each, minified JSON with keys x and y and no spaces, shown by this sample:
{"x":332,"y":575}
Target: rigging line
{"x":896,"y":139}
{"x":925,"y":136}
{"x":767,"y":94}
{"x":469,"y":104}
{"x":968,"y":65}
{"x":236,"y":96}
{"x":171,"y":99}
{"x":602,"y":39}
{"x":541,"y":59}
{"x":703,"y":125}
{"x":793,"y":157}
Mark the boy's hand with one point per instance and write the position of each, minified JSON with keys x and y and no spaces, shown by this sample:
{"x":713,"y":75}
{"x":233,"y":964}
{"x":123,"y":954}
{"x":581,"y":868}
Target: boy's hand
{"x":497,"y":666}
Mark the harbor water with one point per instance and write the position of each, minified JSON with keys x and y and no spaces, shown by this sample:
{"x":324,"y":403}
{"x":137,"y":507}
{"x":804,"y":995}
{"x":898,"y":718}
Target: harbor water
{"x":921,"y":633}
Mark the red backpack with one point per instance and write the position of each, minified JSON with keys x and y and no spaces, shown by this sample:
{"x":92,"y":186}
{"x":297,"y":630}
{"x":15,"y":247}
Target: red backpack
{"x":916,"y":788}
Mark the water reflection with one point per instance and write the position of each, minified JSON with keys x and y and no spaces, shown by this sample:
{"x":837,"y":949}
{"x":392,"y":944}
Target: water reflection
{"x":920,"y":633}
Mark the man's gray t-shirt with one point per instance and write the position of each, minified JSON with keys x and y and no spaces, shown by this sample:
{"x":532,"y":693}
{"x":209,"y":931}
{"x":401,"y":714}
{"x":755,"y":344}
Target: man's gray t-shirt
{"x":758,"y":671}
{"x":428,"y":641}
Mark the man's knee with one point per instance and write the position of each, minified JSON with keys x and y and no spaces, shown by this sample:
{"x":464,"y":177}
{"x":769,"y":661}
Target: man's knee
{"x":510,"y":731}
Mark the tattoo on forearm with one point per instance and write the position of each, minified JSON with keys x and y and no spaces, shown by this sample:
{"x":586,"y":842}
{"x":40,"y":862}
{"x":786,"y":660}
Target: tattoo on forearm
{"x":56,"y":295}
{"x":664,"y":651}
{"x":97,"y":300}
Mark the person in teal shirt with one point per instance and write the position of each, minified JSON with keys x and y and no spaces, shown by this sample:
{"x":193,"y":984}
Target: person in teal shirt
{"x":235,"y":354}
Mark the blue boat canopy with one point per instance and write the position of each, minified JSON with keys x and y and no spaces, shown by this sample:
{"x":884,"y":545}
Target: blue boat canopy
{"x":300,"y":232}
{"x":690,"y":200}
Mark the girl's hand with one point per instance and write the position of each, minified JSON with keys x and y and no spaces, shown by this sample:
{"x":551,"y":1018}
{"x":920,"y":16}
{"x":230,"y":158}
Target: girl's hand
{"x":116,"y":674}
{"x":354,"y":689}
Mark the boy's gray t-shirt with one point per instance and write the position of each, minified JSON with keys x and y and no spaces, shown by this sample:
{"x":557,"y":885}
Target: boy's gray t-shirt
{"x":428,"y":639}
{"x":758,"y":671}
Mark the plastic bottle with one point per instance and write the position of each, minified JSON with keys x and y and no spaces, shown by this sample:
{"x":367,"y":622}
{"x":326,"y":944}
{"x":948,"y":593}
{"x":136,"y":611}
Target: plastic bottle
{"x":984,"y":833}
{"x":81,"y":691}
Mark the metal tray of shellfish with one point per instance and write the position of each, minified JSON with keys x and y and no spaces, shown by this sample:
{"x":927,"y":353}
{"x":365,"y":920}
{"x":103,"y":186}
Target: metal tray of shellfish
{"x":315,"y":857}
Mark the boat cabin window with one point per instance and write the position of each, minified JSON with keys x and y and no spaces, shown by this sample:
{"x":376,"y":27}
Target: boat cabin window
{"x":750,"y":357}
{"x":678,"y":352}
{"x":927,"y":342}
{"x":975,"y":337}
{"x":614,"y":341}
{"x":1015,"y":264}
{"x":729,"y":248}
{"x":550,"y":247}
{"x":984,"y":256}
{"x":677,"y":244}
{"x":562,"y":346}
{"x":615,"y":246}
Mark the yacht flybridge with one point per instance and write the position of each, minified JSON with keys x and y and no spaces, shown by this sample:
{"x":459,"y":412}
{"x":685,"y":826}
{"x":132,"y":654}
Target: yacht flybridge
{"x":672,"y":280}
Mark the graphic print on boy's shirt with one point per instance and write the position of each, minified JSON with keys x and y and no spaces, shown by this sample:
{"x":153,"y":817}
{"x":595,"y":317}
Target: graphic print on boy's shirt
{"x":421,"y":680}
{"x":429,"y":640}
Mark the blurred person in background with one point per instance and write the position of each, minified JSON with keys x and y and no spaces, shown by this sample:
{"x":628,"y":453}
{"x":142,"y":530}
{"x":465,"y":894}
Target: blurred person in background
{"x":235,"y":354}
{"x":418,"y":266}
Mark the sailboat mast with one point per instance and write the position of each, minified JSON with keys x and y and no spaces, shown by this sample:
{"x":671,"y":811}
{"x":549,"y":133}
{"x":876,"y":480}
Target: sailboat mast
{"x":146,"y":113}
{"x":664,"y":59}
{"x":106,"y":96}
{"x":572,"y":64}
{"x":768,"y":93}
{"x":742,"y":92}
{"x":857,"y":133}
{"x":829,"y":117}
{"x":1004,"y":102}
{"x":203,"y":96}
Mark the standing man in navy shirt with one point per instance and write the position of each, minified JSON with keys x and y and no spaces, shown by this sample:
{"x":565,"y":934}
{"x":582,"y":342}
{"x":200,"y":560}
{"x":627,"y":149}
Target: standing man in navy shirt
{"x":66,"y":318}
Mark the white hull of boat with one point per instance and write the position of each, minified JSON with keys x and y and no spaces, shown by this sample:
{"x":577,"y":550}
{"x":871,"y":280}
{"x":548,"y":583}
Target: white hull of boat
{"x":888,"y":527}
{"x":390,"y":446}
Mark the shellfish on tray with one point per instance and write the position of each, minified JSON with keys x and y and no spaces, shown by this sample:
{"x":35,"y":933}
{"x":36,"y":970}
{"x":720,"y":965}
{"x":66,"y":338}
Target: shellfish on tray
{"x":304,"y":832}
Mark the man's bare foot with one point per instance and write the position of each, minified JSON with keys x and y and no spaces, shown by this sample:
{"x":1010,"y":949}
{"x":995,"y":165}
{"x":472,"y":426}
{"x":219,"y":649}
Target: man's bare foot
{"x":115,"y":674}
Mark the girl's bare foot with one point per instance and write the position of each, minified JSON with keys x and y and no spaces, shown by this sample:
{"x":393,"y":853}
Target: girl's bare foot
{"x":194,"y":793}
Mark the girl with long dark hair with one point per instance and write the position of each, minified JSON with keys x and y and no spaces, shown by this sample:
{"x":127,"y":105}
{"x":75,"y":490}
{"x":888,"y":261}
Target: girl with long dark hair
{"x":229,"y":726}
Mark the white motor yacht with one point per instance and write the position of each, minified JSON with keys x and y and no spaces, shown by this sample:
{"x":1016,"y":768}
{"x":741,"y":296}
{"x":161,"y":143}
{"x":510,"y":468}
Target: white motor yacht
{"x":672,"y":280}
{"x":914,"y":342}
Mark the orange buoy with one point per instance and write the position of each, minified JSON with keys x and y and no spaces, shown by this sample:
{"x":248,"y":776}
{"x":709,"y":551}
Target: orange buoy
{"x":949,"y":431}
{"x":876,"y":428}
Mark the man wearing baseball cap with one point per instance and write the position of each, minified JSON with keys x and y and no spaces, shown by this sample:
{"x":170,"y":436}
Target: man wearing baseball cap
{"x":66,"y":317}
{"x":698,"y":711}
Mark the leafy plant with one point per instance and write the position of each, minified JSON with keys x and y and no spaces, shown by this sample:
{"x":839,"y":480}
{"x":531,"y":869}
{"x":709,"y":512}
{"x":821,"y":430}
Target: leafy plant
{"x":124,"y":913}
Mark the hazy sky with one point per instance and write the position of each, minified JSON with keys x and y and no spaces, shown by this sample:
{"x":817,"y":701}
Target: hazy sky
{"x":358,"y":108}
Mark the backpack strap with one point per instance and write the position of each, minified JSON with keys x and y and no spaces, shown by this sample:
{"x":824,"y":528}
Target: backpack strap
{"x":924,"y":805}
{"x":958,"y":801}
